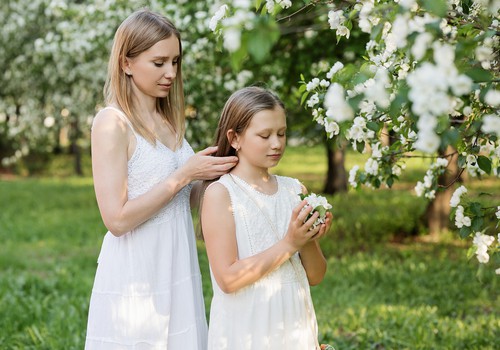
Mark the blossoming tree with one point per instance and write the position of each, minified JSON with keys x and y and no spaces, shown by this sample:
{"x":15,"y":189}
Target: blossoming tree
{"x":428,"y":78}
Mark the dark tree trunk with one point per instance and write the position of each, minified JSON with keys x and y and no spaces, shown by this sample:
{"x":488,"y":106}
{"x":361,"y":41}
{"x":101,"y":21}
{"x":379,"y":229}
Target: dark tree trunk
{"x":336,"y":178}
{"x":74,"y":148}
{"x":438,"y":211}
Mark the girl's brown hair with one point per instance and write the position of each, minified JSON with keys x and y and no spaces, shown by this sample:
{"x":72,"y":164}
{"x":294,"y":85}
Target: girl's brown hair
{"x":139,"y":32}
{"x":236,"y":115}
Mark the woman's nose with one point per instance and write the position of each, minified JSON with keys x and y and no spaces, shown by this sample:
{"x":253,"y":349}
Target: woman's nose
{"x":170,"y":71}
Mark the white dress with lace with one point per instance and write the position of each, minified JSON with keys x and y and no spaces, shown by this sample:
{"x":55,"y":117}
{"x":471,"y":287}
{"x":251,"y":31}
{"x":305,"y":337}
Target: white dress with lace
{"x":147,"y":291}
{"x":275,"y":312}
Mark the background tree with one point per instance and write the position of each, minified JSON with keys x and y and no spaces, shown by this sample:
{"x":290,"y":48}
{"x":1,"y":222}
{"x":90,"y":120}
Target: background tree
{"x":427,"y":65}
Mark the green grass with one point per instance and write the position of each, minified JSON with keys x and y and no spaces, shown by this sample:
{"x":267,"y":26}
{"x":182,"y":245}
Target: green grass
{"x":380,"y":292}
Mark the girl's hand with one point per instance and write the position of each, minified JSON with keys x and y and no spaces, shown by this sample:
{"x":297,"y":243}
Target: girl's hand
{"x":203,"y":166}
{"x":299,"y":232}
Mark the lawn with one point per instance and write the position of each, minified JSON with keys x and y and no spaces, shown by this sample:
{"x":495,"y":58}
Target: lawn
{"x":387,"y":287}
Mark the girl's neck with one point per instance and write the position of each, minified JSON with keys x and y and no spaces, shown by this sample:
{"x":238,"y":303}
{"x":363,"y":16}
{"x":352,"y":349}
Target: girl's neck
{"x":259,"y":178}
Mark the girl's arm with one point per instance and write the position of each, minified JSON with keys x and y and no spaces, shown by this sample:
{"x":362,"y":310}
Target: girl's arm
{"x":110,"y":143}
{"x":218,"y":228}
{"x":311,"y":255}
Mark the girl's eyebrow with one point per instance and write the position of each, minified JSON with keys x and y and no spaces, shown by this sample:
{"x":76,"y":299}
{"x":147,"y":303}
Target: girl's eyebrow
{"x":164,"y":57}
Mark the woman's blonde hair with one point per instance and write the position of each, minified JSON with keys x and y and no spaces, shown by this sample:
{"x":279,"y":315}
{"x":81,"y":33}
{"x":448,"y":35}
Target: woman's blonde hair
{"x":136,"y":34}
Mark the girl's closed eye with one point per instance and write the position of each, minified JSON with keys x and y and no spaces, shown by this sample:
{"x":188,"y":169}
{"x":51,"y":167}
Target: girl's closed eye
{"x":264,"y":136}
{"x":158,"y":64}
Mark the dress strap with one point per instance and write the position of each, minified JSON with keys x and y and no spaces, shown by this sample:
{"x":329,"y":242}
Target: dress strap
{"x":122,"y":116}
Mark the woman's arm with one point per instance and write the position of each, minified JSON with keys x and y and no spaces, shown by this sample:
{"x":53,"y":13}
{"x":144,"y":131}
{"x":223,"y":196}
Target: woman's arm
{"x":218,"y":228}
{"x":110,"y":143}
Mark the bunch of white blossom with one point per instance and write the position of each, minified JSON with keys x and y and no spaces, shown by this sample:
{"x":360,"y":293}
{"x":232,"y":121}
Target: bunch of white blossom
{"x":482,"y":242}
{"x":455,"y":198}
{"x":426,"y":188}
{"x":460,"y":219}
{"x":319,"y":204}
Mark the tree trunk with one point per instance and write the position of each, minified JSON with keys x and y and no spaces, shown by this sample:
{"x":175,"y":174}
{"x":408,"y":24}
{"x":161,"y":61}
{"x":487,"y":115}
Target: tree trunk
{"x":336,"y":179}
{"x":74,"y":148}
{"x":438,"y":211}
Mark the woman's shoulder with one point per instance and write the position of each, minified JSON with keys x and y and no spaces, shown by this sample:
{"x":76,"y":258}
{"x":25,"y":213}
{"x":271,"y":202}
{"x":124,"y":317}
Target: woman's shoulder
{"x":111,"y":121}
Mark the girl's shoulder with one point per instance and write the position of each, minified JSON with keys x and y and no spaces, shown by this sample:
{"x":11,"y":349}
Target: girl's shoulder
{"x":290,"y":183}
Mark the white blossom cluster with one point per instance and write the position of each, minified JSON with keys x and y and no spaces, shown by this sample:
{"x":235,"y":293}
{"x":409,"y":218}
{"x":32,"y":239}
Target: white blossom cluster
{"x":460,"y":219}
{"x":455,"y":197}
{"x":336,"y":20}
{"x":427,"y":187}
{"x":482,"y":242}
{"x":319,"y":204}
{"x":230,"y":25}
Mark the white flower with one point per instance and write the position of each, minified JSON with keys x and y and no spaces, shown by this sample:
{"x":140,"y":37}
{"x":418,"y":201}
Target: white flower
{"x":336,"y":106}
{"x":419,"y":189}
{"x":343,"y":31}
{"x":352,"y":176}
{"x":332,"y":128}
{"x":232,"y":39}
{"x":492,"y":98}
{"x":335,"y":68}
{"x":335,"y":19}
{"x":491,"y":124}
{"x":313,"y":100}
{"x":455,"y":198}
{"x":482,"y":242}
{"x":313,"y":84}
{"x":371,"y":166}
{"x":427,"y":142}
{"x":219,"y":14}
{"x":461,"y":85}
{"x":320,"y":204}
{"x":498,"y":217}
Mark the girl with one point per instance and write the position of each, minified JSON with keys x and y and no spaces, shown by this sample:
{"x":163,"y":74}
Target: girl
{"x":263,"y":253}
{"x":147,"y":292}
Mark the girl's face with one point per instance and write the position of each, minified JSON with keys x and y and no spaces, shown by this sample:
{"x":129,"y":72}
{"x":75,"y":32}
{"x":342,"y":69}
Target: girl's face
{"x":154,"y":70}
{"x":263,"y":143}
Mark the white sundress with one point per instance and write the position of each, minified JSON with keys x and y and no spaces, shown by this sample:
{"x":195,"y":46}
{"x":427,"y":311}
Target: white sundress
{"x":147,"y":292}
{"x":275,"y":312}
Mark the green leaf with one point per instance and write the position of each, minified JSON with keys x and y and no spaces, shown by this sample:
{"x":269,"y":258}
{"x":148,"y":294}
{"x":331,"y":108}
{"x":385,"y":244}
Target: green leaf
{"x":376,"y":31}
{"x":484,"y":164}
{"x":471,"y":251}
{"x":360,"y":146}
{"x":304,"y":97}
{"x":373,"y":126}
{"x":477,"y":223}
{"x":437,"y":7}
{"x":462,"y":161}
{"x":476,"y":208}
{"x":465,"y":232}
{"x":479,"y":75}
{"x":262,"y":39}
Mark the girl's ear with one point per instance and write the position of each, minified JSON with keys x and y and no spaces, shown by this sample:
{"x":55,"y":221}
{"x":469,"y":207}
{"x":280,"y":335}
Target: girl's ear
{"x":233,"y":138}
{"x":126,"y":66}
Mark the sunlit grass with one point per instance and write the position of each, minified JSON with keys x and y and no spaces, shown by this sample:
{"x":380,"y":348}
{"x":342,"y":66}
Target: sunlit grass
{"x":379,"y":292}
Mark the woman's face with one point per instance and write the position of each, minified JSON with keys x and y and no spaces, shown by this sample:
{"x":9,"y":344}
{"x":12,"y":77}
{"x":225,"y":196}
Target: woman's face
{"x":153,"y":71}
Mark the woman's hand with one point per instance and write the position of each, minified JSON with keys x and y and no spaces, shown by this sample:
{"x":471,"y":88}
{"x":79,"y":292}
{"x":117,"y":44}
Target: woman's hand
{"x":299,"y":232}
{"x":204,"y":166}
